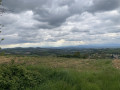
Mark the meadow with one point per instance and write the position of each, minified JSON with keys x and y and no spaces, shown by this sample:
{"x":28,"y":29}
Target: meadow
{"x":58,"y":73}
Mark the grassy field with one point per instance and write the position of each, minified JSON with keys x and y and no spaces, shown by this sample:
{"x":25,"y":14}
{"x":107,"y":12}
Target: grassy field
{"x":53,"y":73}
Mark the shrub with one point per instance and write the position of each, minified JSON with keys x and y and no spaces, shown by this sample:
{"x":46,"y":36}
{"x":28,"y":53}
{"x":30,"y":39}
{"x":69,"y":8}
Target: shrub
{"x":14,"y":77}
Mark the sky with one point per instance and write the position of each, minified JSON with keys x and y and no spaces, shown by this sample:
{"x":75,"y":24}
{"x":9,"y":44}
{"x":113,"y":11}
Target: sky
{"x":55,"y":23}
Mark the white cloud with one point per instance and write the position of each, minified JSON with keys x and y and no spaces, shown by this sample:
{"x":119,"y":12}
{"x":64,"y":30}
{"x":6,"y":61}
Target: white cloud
{"x":60,"y":23}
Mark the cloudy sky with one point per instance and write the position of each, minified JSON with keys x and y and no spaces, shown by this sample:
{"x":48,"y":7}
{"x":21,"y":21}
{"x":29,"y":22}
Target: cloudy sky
{"x":46,"y":23}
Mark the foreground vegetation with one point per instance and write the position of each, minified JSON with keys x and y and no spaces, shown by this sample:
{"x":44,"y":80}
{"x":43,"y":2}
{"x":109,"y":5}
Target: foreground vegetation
{"x":51,"y":73}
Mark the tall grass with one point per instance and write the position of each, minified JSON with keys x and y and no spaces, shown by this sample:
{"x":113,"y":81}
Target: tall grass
{"x":90,"y":75}
{"x":59,"y":79}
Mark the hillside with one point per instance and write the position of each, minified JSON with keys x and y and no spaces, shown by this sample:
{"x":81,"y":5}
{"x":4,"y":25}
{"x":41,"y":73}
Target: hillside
{"x":68,"y":52}
{"x":53,"y":73}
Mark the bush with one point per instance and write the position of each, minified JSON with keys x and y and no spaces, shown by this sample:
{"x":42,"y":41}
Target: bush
{"x":14,"y":77}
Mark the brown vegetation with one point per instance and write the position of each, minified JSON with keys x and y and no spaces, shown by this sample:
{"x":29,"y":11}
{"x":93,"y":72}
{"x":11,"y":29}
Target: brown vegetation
{"x":116,"y":63}
{"x":55,"y":62}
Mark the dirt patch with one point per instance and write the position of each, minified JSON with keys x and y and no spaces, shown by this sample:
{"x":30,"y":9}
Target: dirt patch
{"x":4,"y":59}
{"x":116,"y":63}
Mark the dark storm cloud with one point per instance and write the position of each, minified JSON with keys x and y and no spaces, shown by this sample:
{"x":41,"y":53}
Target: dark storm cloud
{"x":54,"y":17}
{"x":104,"y":5}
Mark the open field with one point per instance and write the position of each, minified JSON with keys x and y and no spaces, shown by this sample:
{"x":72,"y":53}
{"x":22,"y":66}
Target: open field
{"x":58,"y":62}
{"x":53,"y":73}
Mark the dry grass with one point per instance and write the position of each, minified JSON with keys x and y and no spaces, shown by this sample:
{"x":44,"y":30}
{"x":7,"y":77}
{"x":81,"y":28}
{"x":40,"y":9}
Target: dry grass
{"x":116,"y":63}
{"x":55,"y":62}
{"x":4,"y":59}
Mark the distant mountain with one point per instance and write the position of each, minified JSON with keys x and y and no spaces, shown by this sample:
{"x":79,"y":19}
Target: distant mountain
{"x":90,"y":46}
{"x":85,"y":50}
{"x":100,"y":46}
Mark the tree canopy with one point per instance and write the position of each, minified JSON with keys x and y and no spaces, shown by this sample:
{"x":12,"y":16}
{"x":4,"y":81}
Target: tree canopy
{"x":0,"y":2}
{"x":0,"y":24}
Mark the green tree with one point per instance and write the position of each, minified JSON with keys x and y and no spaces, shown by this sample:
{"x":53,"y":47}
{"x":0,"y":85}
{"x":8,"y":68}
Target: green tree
{"x":0,"y":32}
{"x":0,"y":2}
{"x":1,"y":11}
{"x":76,"y":54}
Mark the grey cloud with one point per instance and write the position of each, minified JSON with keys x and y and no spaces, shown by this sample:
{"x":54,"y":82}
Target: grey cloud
{"x":79,"y":30}
{"x":55,"y":16}
{"x":54,"y":20}
{"x":45,"y":11}
{"x":55,"y":12}
{"x":23,"y":5}
{"x":66,"y":2}
{"x":43,"y":26}
{"x":104,"y":5}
